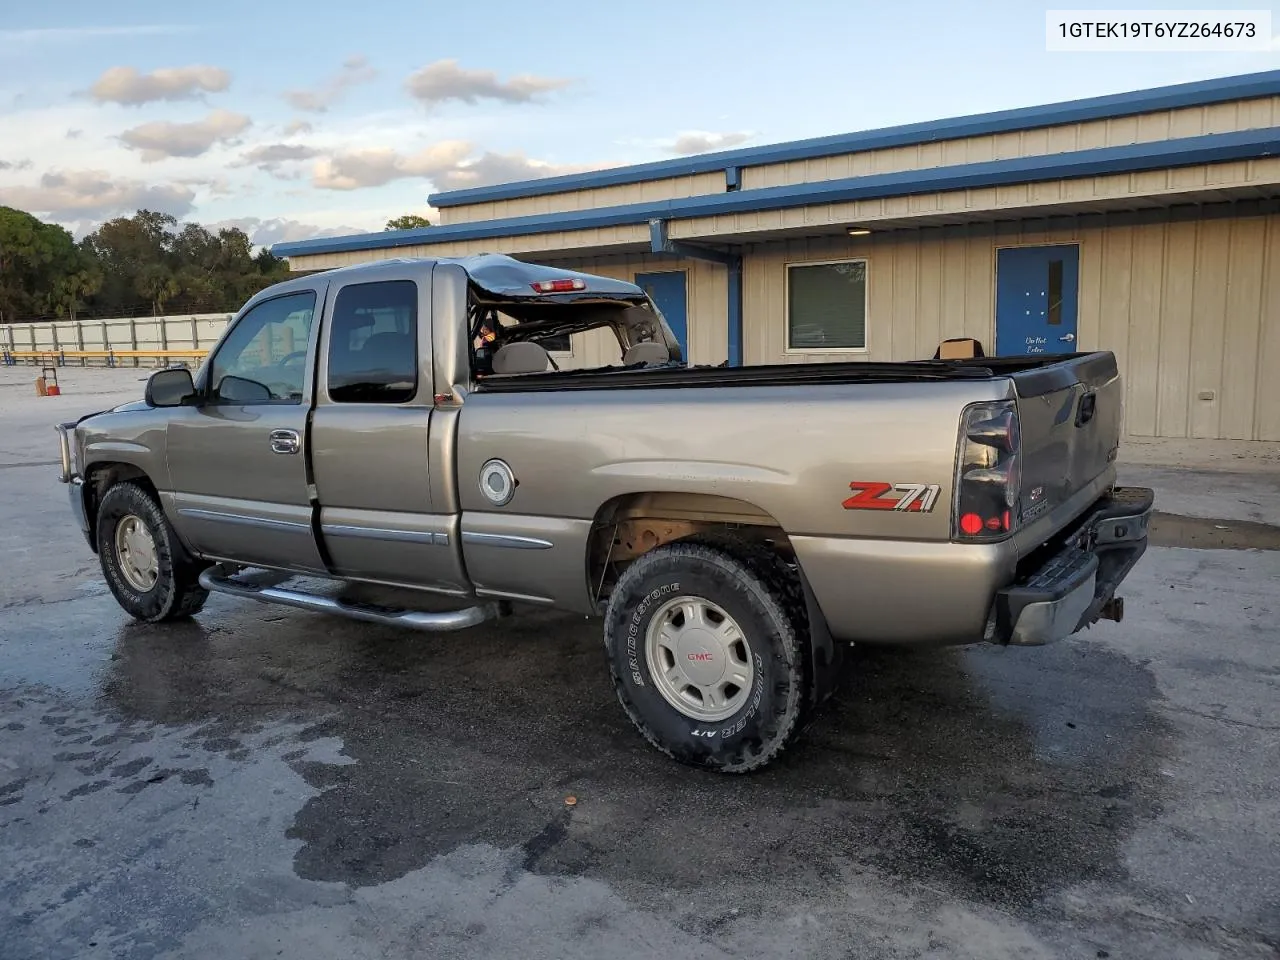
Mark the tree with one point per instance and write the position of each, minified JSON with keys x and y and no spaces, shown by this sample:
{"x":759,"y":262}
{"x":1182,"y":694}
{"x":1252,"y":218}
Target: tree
{"x":158,"y":285}
{"x":410,"y":221}
{"x":126,"y":247}
{"x":148,"y":262}
{"x":33,"y":257}
{"x":80,"y":279}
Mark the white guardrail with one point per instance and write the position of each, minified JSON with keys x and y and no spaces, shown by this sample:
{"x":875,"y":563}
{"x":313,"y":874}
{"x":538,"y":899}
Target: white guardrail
{"x":112,"y":342}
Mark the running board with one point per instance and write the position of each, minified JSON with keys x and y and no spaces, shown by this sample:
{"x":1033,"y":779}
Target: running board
{"x":441,"y":622}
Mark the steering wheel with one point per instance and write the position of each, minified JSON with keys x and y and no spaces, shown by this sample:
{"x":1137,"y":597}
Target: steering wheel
{"x":302,"y":354}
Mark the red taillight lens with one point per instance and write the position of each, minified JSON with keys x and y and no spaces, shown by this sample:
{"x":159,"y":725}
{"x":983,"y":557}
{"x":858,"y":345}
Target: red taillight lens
{"x":558,"y":286}
{"x":988,"y":471}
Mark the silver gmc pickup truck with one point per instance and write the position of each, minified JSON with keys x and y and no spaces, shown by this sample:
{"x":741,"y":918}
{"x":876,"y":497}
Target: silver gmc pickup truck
{"x":400,"y":427}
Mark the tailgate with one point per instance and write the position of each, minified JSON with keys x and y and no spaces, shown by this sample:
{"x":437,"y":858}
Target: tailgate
{"x":1069,"y":413}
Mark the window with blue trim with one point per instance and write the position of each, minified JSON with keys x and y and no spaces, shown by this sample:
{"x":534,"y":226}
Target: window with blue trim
{"x":827,"y":306}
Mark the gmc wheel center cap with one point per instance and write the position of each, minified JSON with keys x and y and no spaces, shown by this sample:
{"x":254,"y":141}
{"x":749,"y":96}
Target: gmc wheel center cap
{"x":701,"y":657}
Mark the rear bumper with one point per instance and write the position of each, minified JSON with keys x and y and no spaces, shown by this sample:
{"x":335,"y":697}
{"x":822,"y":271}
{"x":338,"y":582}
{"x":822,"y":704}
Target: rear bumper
{"x":1071,"y":582}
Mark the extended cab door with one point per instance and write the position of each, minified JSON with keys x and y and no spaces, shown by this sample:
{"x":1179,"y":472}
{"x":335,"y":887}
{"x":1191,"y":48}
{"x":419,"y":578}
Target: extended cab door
{"x":237,"y":458}
{"x":371,"y":431}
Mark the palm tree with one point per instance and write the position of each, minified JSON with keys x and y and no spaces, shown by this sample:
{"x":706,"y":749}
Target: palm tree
{"x":157,"y":284}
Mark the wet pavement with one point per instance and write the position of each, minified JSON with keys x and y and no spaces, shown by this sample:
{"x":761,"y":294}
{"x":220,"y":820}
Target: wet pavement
{"x":263,"y":782}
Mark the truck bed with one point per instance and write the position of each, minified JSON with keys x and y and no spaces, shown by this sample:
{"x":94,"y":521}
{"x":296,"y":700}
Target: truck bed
{"x":1035,"y":376}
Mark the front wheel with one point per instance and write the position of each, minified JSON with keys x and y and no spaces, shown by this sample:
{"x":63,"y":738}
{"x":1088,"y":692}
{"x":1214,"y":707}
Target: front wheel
{"x":147,"y":570}
{"x":705,"y":643}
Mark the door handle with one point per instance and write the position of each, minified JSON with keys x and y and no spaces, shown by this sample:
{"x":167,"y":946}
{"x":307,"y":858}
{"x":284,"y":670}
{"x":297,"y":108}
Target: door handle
{"x":1069,"y":338}
{"x":285,"y":441}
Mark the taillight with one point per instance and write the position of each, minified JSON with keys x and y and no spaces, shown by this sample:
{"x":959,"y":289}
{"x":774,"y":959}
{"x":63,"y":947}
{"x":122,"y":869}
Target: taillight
{"x":988,"y":471}
{"x":558,"y":286}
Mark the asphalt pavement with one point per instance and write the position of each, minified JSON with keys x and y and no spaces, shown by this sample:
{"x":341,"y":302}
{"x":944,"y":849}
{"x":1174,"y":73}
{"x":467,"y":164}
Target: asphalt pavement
{"x":264,"y":782}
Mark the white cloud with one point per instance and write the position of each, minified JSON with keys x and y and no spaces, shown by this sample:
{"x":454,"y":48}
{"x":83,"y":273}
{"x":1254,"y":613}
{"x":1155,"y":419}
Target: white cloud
{"x":700,"y":141}
{"x":214,"y":186}
{"x":376,"y":166}
{"x":445,"y":80}
{"x":490,"y":168}
{"x":127,"y":86}
{"x":80,"y":195}
{"x":15,"y":164}
{"x":449,"y":165}
{"x":162,"y":139}
{"x":297,"y":126}
{"x":270,"y":156}
{"x":263,"y":233}
{"x":355,"y":70}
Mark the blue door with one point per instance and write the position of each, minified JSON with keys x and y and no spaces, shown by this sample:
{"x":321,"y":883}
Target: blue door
{"x":667,"y":290}
{"x":1036,"y":299}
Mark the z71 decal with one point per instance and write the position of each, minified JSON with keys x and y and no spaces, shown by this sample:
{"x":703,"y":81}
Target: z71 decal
{"x":908,"y":497}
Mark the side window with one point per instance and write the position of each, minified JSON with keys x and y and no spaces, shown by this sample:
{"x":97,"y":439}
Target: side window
{"x":373,"y":343}
{"x":264,"y":358}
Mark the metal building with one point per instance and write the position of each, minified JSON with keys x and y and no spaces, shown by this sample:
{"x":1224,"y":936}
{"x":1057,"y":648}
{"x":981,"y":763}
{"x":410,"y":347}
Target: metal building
{"x":1147,"y":223}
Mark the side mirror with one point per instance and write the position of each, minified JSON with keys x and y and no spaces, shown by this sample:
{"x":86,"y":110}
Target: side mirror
{"x":170,"y":387}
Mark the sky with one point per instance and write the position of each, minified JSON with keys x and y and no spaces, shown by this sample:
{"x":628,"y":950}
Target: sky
{"x":303,"y":120}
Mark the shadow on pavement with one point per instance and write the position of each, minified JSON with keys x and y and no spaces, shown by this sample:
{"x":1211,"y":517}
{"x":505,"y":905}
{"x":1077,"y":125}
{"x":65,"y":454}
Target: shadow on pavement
{"x":997,"y":775}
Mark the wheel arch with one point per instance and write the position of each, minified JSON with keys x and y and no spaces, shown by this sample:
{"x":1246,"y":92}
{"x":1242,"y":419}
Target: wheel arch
{"x":102,"y":475}
{"x":629,"y":525}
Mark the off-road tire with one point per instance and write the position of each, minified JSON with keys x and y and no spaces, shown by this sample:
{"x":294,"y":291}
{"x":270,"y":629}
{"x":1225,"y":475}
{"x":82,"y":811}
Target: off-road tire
{"x":757,"y":588}
{"x":177,"y":593}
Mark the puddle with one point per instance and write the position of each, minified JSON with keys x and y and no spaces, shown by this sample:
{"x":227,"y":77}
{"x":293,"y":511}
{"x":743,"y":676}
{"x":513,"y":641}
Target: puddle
{"x":1197,"y":533}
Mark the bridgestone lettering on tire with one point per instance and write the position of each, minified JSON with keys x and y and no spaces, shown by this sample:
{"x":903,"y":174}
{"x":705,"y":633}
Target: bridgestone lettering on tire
{"x":176,"y":592}
{"x":754,"y":588}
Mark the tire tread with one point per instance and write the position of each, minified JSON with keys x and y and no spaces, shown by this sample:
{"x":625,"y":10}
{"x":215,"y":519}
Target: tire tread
{"x":184,"y":596}
{"x":775,"y":585}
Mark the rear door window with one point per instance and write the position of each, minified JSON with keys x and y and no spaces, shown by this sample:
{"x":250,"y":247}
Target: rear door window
{"x":373,"y":343}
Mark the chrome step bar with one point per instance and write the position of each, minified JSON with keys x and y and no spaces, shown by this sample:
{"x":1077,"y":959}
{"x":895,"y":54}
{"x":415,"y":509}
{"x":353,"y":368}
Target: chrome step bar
{"x":215,"y":581}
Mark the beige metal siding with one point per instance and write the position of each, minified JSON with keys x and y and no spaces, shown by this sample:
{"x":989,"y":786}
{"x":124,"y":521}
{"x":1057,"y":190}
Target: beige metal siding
{"x":549,"y":244}
{"x":1144,"y":128}
{"x":1191,"y":311}
{"x":1157,"y":188}
{"x":669,"y":189}
{"x":909,"y":309}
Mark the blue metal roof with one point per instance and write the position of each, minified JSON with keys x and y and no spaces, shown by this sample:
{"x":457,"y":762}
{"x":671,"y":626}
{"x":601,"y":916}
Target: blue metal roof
{"x":1198,"y":93}
{"x":1136,"y":157}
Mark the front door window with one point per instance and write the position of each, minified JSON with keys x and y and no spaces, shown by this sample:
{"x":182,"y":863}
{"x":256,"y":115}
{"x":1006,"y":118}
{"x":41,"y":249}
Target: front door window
{"x":263,"y":359}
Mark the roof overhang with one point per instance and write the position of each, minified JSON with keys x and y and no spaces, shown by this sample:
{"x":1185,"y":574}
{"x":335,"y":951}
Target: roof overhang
{"x":1102,"y":161}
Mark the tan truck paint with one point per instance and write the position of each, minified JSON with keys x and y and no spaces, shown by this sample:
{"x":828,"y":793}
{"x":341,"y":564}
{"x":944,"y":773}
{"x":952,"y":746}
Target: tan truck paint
{"x":395,"y":491}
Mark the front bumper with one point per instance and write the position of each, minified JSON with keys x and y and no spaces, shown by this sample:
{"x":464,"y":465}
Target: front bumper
{"x":1070,"y":582}
{"x":68,"y":474}
{"x":75,"y":493}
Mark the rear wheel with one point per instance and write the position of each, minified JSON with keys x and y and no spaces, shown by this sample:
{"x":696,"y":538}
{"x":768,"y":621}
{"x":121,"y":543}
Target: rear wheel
{"x":146,"y":568}
{"x":705,"y":641}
